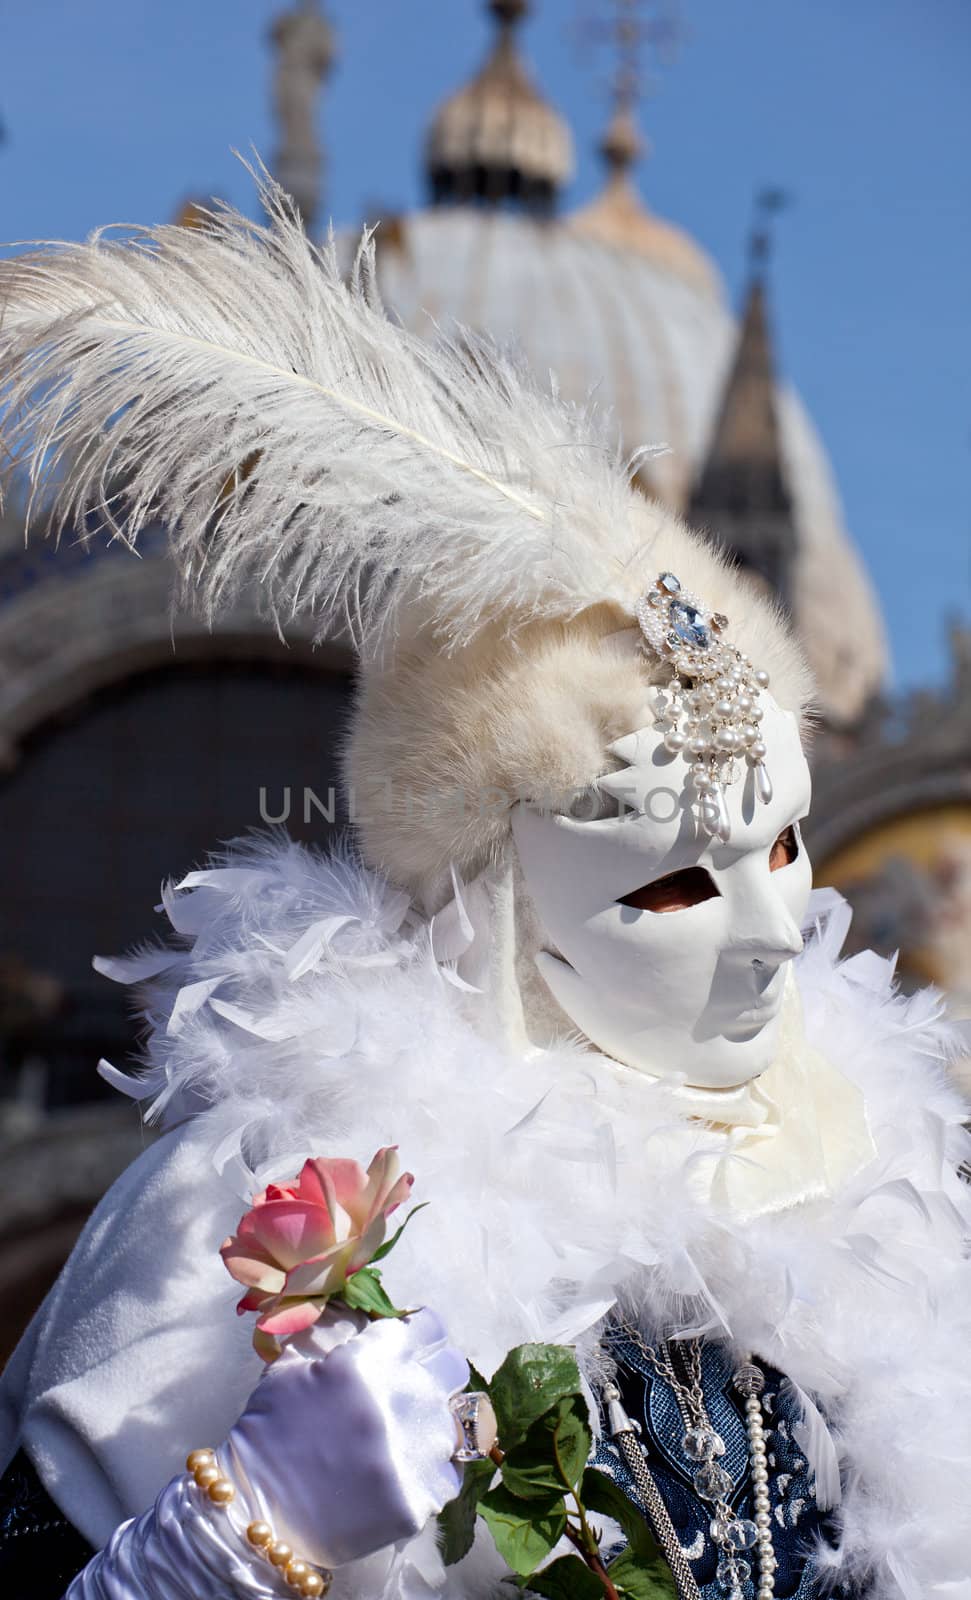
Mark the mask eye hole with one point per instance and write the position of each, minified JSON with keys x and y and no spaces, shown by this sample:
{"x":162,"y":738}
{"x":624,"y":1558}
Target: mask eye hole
{"x":674,"y":893}
{"x":785,"y":849}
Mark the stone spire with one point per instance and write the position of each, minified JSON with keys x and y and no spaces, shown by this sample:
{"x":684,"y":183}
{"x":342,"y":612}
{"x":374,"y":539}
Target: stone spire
{"x":497,"y":141}
{"x":742,"y":494}
{"x":304,"y":47}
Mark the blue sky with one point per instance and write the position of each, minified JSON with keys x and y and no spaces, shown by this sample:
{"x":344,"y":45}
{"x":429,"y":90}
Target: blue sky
{"x":116,"y":110}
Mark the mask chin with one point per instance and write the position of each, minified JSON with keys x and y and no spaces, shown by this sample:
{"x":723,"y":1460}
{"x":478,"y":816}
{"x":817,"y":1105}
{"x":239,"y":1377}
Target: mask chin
{"x":693,"y":993}
{"x":659,"y":1048}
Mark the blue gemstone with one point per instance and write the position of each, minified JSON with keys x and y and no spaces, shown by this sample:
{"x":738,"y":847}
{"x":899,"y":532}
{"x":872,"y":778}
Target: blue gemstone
{"x":689,"y":624}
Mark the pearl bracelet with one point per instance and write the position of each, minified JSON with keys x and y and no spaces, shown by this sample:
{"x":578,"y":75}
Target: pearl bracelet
{"x":300,"y":1575}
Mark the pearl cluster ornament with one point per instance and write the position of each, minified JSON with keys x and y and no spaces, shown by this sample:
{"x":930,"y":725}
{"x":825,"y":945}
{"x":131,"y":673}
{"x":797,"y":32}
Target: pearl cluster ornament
{"x":711,"y":707}
{"x":303,"y":1578}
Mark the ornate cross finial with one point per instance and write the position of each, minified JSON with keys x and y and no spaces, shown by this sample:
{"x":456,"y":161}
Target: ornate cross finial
{"x":635,"y":28}
{"x":304,"y":47}
{"x":768,"y":202}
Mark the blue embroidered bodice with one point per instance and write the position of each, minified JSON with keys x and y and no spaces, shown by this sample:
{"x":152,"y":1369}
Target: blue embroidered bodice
{"x":40,"y":1552}
{"x":796,"y":1521}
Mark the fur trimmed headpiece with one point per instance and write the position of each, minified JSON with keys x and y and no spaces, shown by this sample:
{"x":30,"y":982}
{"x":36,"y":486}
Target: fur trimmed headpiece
{"x":478,"y":538}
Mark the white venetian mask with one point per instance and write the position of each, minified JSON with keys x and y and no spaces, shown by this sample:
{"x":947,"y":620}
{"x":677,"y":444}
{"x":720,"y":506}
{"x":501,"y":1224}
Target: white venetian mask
{"x":693,"y":993}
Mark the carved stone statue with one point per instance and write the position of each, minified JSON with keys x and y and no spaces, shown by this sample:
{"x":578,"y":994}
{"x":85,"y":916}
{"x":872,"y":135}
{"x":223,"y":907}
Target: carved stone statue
{"x":304,"y":47}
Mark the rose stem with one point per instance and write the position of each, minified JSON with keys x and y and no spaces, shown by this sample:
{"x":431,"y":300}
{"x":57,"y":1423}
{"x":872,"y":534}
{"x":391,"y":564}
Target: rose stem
{"x":593,"y":1562}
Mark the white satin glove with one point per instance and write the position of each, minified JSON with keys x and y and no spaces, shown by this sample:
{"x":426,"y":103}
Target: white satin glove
{"x":342,"y":1453}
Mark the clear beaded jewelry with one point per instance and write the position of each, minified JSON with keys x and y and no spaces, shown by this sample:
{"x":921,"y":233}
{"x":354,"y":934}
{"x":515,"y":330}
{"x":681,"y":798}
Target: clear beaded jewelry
{"x":304,"y":1578}
{"x":701,"y":1444}
{"x":710,"y":709}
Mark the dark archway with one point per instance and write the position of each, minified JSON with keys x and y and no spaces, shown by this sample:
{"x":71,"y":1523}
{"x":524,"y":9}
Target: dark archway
{"x":134,"y":783}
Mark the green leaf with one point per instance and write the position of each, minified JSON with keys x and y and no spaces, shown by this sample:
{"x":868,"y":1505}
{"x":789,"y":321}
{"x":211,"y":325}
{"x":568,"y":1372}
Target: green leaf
{"x":600,"y":1493}
{"x":364,"y":1291}
{"x":637,"y":1579}
{"x":641,"y":1571}
{"x":567,"y":1578}
{"x":523,"y":1541}
{"x":456,"y":1521}
{"x":389,"y":1244}
{"x":552,"y":1457}
{"x":532,"y":1378}
{"x":476,"y":1383}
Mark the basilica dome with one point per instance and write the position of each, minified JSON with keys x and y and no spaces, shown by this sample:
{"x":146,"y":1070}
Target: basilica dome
{"x":615,"y":301}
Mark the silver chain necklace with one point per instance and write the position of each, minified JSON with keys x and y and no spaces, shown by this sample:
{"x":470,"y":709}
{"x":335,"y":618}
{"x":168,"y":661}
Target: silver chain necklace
{"x":733,"y":1535}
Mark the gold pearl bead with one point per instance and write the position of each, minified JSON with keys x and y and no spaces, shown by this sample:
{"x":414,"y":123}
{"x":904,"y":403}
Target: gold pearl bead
{"x":279,"y":1553}
{"x":260,"y":1534}
{"x":221,"y":1492}
{"x":199,"y":1458}
{"x":296,"y":1571}
{"x":314,"y":1585}
{"x":207,"y":1475}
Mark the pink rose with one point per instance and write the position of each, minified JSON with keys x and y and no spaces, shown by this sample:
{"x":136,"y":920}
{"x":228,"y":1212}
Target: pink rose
{"x":300,"y":1242}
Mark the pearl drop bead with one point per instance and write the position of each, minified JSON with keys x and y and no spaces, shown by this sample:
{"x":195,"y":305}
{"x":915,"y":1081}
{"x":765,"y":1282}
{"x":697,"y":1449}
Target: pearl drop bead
{"x":723,"y":708}
{"x":748,"y":732}
{"x":199,"y":1458}
{"x":296,"y":1572}
{"x":674,"y":741}
{"x":723,"y":685}
{"x":756,"y":713}
{"x":207,"y":1475}
{"x":222,"y":1492}
{"x":762,"y":679}
{"x":726,"y":739}
{"x":313,"y":1584}
{"x":744,"y":704}
{"x":259,"y":1534}
{"x":757,"y":750}
{"x":280,"y":1553}
{"x":698,"y":745}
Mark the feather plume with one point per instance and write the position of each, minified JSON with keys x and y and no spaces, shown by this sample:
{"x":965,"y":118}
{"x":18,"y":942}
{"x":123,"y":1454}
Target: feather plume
{"x":227,"y":382}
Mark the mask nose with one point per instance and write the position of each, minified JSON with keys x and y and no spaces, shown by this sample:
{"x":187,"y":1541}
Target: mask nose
{"x":769,"y":934}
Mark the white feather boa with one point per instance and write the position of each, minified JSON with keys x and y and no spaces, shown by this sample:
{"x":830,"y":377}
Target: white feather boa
{"x":305,"y":1014}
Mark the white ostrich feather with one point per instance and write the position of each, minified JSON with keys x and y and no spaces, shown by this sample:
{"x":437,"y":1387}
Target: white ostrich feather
{"x":226,"y":381}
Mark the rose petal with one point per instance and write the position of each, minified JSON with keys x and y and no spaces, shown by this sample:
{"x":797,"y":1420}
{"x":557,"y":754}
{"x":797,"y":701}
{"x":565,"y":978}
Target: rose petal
{"x":265,"y":1345}
{"x":381,"y":1175}
{"x":248,"y":1264}
{"x":365,"y":1246}
{"x":290,"y":1231}
{"x":326,"y":1181}
{"x":253,"y":1301}
{"x":323,"y":1276}
{"x":290,"y":1319}
{"x":400,"y":1192}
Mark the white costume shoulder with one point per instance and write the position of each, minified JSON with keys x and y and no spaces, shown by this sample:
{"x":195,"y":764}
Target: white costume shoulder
{"x":304,"y":1013}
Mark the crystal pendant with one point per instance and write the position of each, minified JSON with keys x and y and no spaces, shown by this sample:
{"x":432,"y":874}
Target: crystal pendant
{"x":712,"y":1482}
{"x":741,"y":1534}
{"x":723,"y":824}
{"x":732,"y":1573}
{"x":700,"y":1444}
{"x":669,"y":582}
